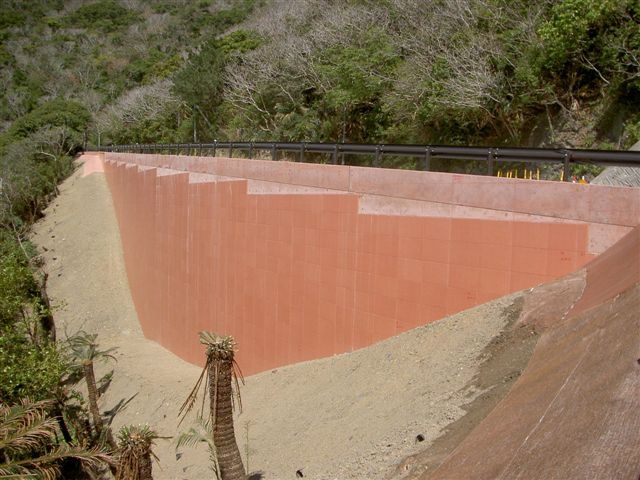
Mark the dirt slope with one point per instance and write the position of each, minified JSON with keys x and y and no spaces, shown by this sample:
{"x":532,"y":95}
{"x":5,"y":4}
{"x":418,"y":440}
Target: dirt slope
{"x":354,"y":416}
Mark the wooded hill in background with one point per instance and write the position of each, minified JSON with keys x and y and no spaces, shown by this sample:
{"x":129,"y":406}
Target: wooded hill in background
{"x":392,"y":71}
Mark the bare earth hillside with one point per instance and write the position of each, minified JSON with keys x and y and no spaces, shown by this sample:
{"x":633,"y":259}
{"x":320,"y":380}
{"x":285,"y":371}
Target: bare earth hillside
{"x":372,"y":413}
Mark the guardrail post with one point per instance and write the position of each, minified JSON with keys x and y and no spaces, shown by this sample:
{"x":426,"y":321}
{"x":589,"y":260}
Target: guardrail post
{"x":302,"y":147}
{"x":231,"y":150}
{"x":376,"y":159}
{"x":251,"y":150}
{"x":427,"y":159}
{"x":274,"y":153}
{"x":567,"y":168}
{"x":215,"y":143}
{"x":490,"y":162}
{"x":335,"y":154}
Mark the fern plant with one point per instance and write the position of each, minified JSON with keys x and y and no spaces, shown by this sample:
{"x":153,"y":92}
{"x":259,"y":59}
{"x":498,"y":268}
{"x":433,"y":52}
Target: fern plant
{"x":201,"y":432}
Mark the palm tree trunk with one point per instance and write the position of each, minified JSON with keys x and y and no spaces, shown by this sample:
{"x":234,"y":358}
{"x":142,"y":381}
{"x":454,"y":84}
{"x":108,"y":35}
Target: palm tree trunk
{"x":146,"y":472}
{"x":224,"y":439}
{"x":57,"y":412}
{"x":92,"y":393}
{"x":134,"y":453}
{"x":138,"y":468}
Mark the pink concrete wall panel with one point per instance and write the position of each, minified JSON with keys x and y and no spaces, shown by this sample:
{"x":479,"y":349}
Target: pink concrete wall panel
{"x":134,"y":200}
{"x":612,"y":273}
{"x":300,"y":276}
{"x":573,"y":413}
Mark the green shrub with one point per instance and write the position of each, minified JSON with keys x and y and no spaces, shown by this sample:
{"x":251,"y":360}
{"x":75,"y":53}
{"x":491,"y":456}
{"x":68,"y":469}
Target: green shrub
{"x":17,"y":285}
{"x":28,"y":369}
{"x":57,"y":112}
{"x":103,"y":15}
{"x":632,"y":132}
{"x":11,"y":18}
{"x":239,"y":41}
{"x":155,"y":64}
{"x":573,"y":27}
{"x":591,"y":44}
{"x":30,"y":365}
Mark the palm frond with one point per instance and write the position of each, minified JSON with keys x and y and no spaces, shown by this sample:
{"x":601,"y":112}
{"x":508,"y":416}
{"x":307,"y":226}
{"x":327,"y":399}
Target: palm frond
{"x":27,"y":436}
{"x":25,"y":426}
{"x":220,"y":346}
{"x":84,"y":347}
{"x":11,"y":415}
{"x":92,"y":457}
{"x":50,"y":472}
{"x":134,"y":436}
{"x":237,"y":373}
{"x":202,"y":432}
{"x":187,"y":406}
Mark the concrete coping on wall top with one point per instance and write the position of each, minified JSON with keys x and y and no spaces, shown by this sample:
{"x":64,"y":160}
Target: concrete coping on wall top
{"x":567,"y":201}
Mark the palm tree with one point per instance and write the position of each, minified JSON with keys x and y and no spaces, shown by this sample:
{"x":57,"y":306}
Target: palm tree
{"x":221,"y":368}
{"x":84,"y":349}
{"x":134,"y":446}
{"x":28,"y":446}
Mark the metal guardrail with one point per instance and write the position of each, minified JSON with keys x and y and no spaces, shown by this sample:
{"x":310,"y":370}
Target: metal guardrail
{"x":424,"y":153}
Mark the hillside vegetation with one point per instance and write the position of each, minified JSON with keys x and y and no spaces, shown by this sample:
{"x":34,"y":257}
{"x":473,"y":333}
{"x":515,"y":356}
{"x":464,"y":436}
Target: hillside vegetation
{"x":77,"y":73}
{"x":402,"y":71}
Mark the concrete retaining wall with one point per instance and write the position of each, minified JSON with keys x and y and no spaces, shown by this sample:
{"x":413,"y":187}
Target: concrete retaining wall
{"x":301,"y":261}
